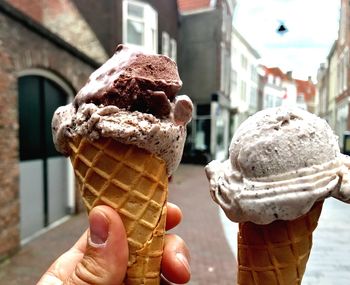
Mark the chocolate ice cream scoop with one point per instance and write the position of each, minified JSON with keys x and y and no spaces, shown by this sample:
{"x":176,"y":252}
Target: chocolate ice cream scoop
{"x":132,"y":99}
{"x":135,"y":81}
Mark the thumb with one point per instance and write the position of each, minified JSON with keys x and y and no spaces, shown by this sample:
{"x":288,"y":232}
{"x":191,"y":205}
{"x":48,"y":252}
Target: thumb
{"x":106,"y":256}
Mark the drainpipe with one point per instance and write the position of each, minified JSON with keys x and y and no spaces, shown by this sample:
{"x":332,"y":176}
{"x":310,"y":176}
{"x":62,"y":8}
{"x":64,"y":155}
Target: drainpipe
{"x":214,"y":109}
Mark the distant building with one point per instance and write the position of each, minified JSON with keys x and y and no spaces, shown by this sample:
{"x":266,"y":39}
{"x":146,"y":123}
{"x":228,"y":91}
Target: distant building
{"x":279,"y":88}
{"x":306,"y":93}
{"x":272,"y":90}
{"x":47,"y":51}
{"x":244,"y":79}
{"x":333,"y":91}
{"x":343,"y":72}
{"x":204,"y":62}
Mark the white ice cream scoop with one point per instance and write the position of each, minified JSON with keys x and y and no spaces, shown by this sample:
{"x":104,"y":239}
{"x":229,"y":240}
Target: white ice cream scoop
{"x":282,"y":160}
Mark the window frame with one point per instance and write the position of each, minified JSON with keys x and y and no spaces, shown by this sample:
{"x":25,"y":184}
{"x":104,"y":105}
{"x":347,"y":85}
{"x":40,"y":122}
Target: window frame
{"x":165,"y":43}
{"x":149,"y":21}
{"x":173,"y":49}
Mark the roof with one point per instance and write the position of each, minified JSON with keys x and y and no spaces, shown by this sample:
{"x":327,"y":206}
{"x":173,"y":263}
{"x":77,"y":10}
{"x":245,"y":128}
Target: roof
{"x":275,"y":71}
{"x":189,"y":5}
{"x":307,"y":88}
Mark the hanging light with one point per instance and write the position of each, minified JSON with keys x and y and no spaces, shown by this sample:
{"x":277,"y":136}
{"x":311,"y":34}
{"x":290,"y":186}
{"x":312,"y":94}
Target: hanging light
{"x":282,"y":29}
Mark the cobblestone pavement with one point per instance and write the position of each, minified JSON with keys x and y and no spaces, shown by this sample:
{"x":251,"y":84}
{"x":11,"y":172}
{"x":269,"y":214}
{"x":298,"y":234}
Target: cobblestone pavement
{"x":212,"y":260}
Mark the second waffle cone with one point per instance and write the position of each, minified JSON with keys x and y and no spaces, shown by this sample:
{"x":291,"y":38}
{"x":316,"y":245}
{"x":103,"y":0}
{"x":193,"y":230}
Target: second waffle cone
{"x":134,"y":182}
{"x":277,"y":253}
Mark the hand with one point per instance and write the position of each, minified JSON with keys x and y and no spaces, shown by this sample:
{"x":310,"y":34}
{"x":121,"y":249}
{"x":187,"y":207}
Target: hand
{"x":100,"y":256}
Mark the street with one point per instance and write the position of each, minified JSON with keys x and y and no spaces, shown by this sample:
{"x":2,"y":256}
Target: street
{"x":212,"y":261}
{"x":209,"y":235}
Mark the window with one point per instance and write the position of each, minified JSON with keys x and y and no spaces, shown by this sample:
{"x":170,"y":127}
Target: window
{"x":345,"y":68}
{"x":342,"y":71}
{"x":278,"y":81}
{"x":225,"y":82}
{"x":234,"y":80}
{"x":173,"y":49}
{"x":342,"y":116}
{"x":278,"y":101}
{"x":243,"y":91}
{"x":270,"y":79}
{"x":140,"y":25}
{"x":244,"y":62}
{"x":342,"y":27}
{"x":253,"y":102}
{"x":253,"y":73}
{"x":169,"y":47}
{"x":300,"y":98}
{"x":165,"y":43}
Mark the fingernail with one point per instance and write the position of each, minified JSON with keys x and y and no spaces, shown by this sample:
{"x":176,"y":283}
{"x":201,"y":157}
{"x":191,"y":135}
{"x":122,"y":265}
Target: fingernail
{"x":99,"y":227}
{"x":180,"y":257}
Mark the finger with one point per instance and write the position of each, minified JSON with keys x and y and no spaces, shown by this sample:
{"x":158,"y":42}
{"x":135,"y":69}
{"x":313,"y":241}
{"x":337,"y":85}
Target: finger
{"x":175,"y":261}
{"x":106,"y":256}
{"x":174,"y":216}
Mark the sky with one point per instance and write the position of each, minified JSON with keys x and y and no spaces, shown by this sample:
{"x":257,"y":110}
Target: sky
{"x":312,"y":29}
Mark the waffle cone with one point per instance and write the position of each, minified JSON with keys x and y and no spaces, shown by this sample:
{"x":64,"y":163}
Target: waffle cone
{"x":135,"y":183}
{"x":277,"y":253}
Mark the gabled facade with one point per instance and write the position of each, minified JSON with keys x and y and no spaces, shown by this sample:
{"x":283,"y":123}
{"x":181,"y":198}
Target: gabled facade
{"x":279,"y":88}
{"x":273,"y":91}
{"x":48,"y":50}
{"x":205,"y":66}
{"x":306,"y":93}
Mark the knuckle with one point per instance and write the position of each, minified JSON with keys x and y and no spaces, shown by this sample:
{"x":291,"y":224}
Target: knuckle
{"x":88,"y":271}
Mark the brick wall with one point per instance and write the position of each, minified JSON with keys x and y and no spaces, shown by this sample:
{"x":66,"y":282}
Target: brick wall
{"x":21,"y":49}
{"x":30,"y":7}
{"x":63,"y":18}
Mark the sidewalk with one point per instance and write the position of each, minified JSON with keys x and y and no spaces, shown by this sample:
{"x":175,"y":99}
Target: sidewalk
{"x":212,"y":260}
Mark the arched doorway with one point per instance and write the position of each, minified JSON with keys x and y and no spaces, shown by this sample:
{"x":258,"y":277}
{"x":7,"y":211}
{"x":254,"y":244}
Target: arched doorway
{"x":45,"y":179}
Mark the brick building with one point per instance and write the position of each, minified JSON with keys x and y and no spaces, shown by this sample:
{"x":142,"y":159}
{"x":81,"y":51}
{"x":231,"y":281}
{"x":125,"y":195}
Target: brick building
{"x":47,"y":51}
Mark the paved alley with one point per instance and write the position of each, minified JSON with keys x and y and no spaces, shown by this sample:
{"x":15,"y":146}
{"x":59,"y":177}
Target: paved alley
{"x":209,"y":235}
{"x":212,"y":260}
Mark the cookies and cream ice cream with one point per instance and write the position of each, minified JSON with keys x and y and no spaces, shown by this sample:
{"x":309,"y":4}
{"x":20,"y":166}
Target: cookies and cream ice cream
{"x":132,"y":99}
{"x":281,"y":161}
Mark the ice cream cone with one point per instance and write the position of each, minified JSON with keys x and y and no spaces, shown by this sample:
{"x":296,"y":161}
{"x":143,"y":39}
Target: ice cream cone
{"x":134,"y":182}
{"x":276,"y":253}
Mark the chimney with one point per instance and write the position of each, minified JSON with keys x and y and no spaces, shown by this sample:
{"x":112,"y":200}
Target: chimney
{"x":289,"y":75}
